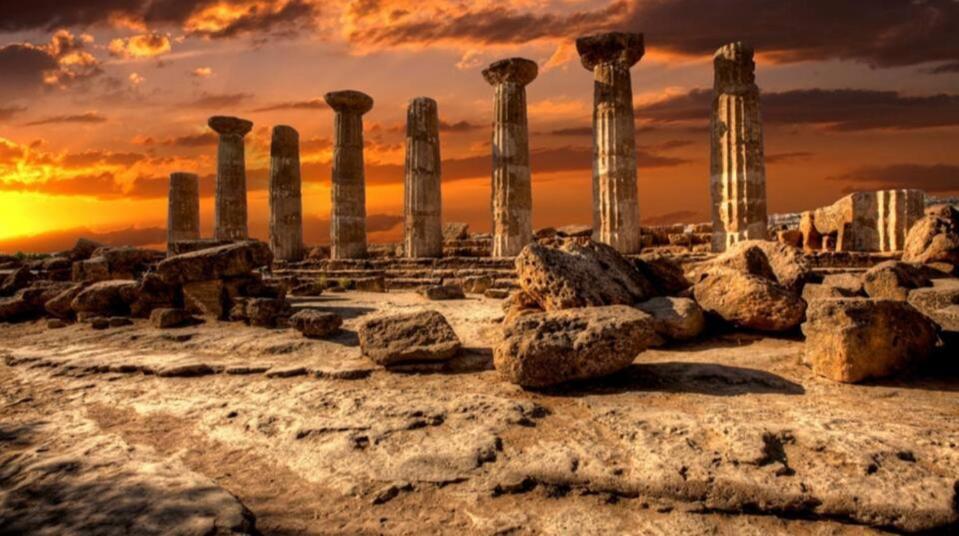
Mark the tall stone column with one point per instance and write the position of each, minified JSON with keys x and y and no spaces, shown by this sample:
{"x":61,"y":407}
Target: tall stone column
{"x":286,"y":204}
{"x":230,"y":210}
{"x":615,"y":203}
{"x":512,"y":198}
{"x":183,"y":214}
{"x":422,"y":204}
{"x":738,"y":171}
{"x":348,"y":218}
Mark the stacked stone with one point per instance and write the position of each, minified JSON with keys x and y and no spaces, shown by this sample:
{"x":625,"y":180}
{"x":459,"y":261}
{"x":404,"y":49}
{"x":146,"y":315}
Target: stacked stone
{"x":738,"y":171}
{"x":615,"y":205}
{"x":864,"y":221}
{"x":422,"y":204}
{"x":183,"y":214}
{"x":348,"y":218}
{"x":286,"y":205}
{"x":230,"y":212}
{"x":512,"y":197}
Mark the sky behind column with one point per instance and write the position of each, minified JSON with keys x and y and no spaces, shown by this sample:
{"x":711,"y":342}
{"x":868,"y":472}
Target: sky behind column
{"x":101,"y":99}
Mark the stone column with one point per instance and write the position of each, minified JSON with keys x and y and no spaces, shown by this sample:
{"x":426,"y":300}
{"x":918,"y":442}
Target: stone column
{"x":615,"y":203}
{"x":738,"y":172}
{"x":286,"y":204}
{"x":183,"y":215}
{"x":348,"y":213}
{"x":422,"y":204}
{"x":512,"y":198}
{"x":230,"y":210}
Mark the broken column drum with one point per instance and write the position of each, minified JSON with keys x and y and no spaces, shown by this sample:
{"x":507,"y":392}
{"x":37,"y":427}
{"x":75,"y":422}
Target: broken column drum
{"x":348,"y":211}
{"x":422,"y":203}
{"x":737,"y":169}
{"x":230,"y":211}
{"x":286,"y":203}
{"x":615,"y":203}
{"x":183,"y":215}
{"x":512,"y":195}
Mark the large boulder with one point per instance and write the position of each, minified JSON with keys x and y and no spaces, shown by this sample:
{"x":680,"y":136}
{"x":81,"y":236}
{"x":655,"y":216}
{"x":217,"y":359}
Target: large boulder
{"x":61,"y":305}
{"x":772,"y":260}
{"x":91,"y":270}
{"x":106,"y":298}
{"x":678,"y":319}
{"x":316,"y":324}
{"x":168,"y":317}
{"x":574,"y":274}
{"x":892,"y":280}
{"x":749,"y":301}
{"x":28,"y":303}
{"x":83,"y":249}
{"x":852,"y":339}
{"x":408,"y":337}
{"x":206,"y":298}
{"x":665,"y":274}
{"x":847,"y":283}
{"x":128,"y":262}
{"x":153,"y":293}
{"x":934,"y":238}
{"x":940,"y":303}
{"x":18,"y":279}
{"x":236,"y":259}
{"x":543,"y":349}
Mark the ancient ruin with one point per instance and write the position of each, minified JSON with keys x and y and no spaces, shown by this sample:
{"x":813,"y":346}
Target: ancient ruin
{"x":512,"y":198}
{"x":348,"y":215}
{"x":230,"y":215}
{"x":183,"y":213}
{"x":286,"y":205}
{"x":864,"y":221}
{"x":615,"y":204}
{"x":422,"y":203}
{"x":738,"y":173}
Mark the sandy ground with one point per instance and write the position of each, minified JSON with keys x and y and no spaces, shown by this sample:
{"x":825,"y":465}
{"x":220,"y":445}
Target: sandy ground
{"x":198,"y":430}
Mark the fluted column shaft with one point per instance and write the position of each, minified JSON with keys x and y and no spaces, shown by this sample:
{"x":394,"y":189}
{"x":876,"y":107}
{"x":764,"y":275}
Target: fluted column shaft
{"x":615,"y":199}
{"x":512,"y":194}
{"x":230,"y":214}
{"x":422,"y":206}
{"x":348,"y":218}
{"x":738,"y":171}
{"x":286,"y":204}
{"x":183,"y":214}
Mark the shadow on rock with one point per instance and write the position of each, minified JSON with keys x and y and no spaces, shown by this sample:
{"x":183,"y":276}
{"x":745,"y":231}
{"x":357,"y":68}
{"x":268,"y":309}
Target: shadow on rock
{"x":683,"y":377}
{"x":470,"y":360}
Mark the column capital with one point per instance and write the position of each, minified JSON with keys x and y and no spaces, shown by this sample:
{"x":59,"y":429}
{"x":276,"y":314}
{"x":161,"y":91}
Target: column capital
{"x":226,"y":125}
{"x":735,"y":70}
{"x":349,"y":101}
{"x":517,"y":70}
{"x":612,"y":47}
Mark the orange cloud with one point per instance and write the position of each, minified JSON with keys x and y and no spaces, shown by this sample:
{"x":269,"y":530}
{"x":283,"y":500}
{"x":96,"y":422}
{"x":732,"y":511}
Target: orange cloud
{"x":148,"y":45}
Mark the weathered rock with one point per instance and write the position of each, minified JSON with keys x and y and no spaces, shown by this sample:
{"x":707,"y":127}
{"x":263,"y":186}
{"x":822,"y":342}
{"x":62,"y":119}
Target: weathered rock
{"x":456,"y":231}
{"x":410,"y":337}
{"x":119,"y":321}
{"x":679,"y":319}
{"x":940,"y":303}
{"x":496,"y":293}
{"x":477,"y":284}
{"x":443,"y":292}
{"x":127,"y":262}
{"x":236,"y":259}
{"x":869,"y":221}
{"x":575,"y":231}
{"x":316,"y":324}
{"x":15,"y":309}
{"x":266,"y":312}
{"x":815,"y":291}
{"x":847,"y":283}
{"x":853,"y":339}
{"x":56,"y":323}
{"x":749,"y":301}
{"x":934,"y":238}
{"x":665,"y":274}
{"x":99,"y":323}
{"x":166,"y":318}
{"x":775,"y":261}
{"x":83,"y":249}
{"x":91,"y":270}
{"x":517,"y":304}
{"x":106,"y":298}
{"x":579,"y":275}
{"x":153,"y":293}
{"x":892,"y":280}
{"x":370,"y":284}
{"x":543,"y":349}
{"x":205,"y":298}
{"x":20,"y":278}
{"x":311,"y":288}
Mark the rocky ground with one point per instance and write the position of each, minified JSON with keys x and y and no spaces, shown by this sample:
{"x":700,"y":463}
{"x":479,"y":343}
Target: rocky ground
{"x":223,"y":428}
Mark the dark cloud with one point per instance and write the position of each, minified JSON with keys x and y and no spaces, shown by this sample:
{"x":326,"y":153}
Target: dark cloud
{"x":49,"y":14}
{"x":776,"y":158}
{"x":459,"y":126}
{"x":210,"y":101}
{"x":23,"y":68}
{"x":62,"y":240}
{"x":293,"y":16}
{"x":7,"y":112}
{"x":491,"y":25}
{"x":204,"y":139}
{"x":679,"y":216}
{"x":312,"y":104}
{"x":88,"y":117}
{"x":889,"y":33}
{"x":837,"y":109}
{"x":931,"y":178}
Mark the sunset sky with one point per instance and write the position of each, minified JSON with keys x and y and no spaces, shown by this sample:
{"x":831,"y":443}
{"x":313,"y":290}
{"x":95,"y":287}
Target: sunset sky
{"x":101,"y":99}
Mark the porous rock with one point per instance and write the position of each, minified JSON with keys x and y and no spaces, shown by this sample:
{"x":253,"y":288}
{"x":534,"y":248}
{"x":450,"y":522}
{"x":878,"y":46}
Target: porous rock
{"x":408,"y":337}
{"x":749,"y":301}
{"x":316,"y":324}
{"x":934,"y":238}
{"x":679,"y":319}
{"x":892,"y":280}
{"x":106,"y":298}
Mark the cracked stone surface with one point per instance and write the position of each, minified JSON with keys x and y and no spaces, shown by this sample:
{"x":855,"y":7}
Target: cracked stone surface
{"x":728,"y":435}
